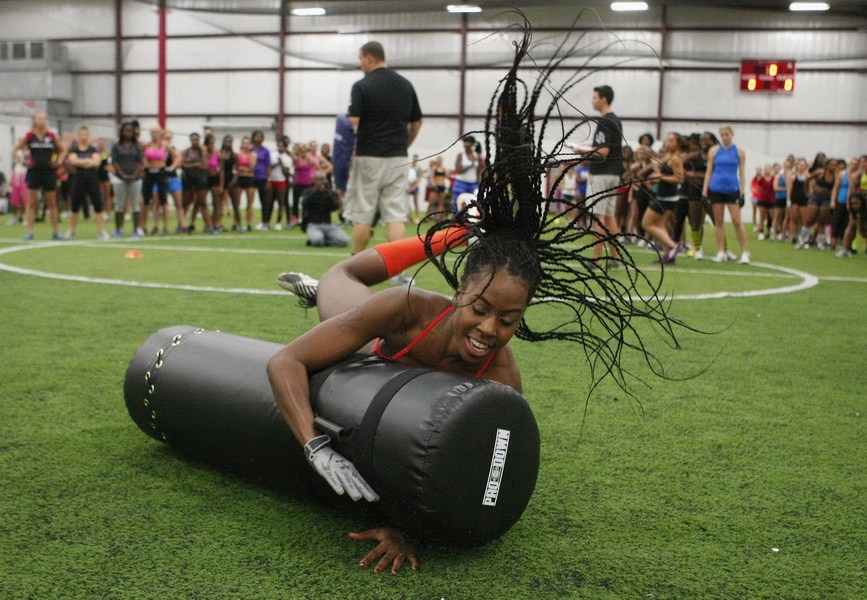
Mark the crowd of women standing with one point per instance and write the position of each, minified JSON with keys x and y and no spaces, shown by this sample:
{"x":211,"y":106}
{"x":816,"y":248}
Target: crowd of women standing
{"x":139,"y":179}
{"x":700,"y":176}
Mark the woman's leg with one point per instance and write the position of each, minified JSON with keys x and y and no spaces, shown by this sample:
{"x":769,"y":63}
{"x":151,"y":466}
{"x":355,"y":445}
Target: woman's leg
{"x":654,"y":223}
{"x":740,"y":232}
{"x":719,"y":226}
{"x":250,"y":192}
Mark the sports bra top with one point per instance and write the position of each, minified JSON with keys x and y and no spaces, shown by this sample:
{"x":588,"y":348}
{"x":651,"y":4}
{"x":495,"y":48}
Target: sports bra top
{"x":155,"y":154}
{"x":439,"y":172}
{"x":243,"y":160}
{"x":798,"y":192}
{"x":215,"y":160}
{"x":401,"y":353}
{"x":823,"y":182}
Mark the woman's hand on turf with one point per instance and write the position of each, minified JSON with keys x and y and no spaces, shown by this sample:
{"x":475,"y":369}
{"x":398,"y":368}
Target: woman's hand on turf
{"x":394,"y":548}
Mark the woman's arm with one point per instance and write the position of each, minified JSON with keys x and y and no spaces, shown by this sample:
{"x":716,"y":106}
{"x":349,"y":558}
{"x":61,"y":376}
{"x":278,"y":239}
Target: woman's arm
{"x":709,"y":173}
{"x":741,"y":169}
{"x":838,"y":180}
{"x":324,"y":345}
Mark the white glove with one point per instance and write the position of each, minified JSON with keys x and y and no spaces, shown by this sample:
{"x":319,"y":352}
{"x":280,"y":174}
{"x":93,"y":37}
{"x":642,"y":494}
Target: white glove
{"x":337,"y":471}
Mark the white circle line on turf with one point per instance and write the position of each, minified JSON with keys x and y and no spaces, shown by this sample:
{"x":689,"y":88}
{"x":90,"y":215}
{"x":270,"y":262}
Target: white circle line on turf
{"x":807,"y":280}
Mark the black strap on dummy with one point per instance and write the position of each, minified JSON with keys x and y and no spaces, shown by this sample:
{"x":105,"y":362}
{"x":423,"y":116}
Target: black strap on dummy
{"x":366,"y":432}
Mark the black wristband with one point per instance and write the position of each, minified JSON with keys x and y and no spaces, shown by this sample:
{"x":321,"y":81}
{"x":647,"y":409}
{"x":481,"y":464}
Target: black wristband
{"x":314,"y":445}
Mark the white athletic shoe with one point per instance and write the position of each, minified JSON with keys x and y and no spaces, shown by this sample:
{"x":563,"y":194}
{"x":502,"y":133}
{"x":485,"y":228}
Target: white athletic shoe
{"x":699,"y":254}
{"x":761,"y":237}
{"x":731,"y":256}
{"x":261,"y":227}
{"x":745,"y":258}
{"x":303,"y":286}
{"x":103,"y":235}
{"x":720,"y":257}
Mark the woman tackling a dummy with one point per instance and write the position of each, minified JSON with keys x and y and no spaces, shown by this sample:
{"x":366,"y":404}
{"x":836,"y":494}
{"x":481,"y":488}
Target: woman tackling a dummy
{"x":509,"y":254}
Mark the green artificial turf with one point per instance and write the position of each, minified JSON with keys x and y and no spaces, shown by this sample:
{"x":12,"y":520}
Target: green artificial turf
{"x":754,"y":443}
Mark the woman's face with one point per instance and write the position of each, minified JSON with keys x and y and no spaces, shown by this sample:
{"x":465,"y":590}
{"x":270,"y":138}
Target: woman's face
{"x":326,"y":149}
{"x":726,"y":136}
{"x":705,"y":141}
{"x":801,"y":165}
{"x":245,"y":144}
{"x":486,"y":318}
{"x":672,"y":144}
{"x":156,"y":134}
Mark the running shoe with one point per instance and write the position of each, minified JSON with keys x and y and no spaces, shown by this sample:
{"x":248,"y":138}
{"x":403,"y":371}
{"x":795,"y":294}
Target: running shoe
{"x":720,"y":257}
{"x":731,"y":256}
{"x":261,"y":227}
{"x":699,"y":254}
{"x":745,"y":258}
{"x":612,"y":264}
{"x":843,"y":253}
{"x":70,"y":235}
{"x":118,"y":233}
{"x":28,"y":236}
{"x":400,"y":279}
{"x":58,"y":236}
{"x":103,"y":235}
{"x":303,"y":286}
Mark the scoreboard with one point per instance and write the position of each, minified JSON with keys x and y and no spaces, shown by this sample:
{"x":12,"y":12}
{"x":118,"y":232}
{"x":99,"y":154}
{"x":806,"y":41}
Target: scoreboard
{"x":767,"y":76}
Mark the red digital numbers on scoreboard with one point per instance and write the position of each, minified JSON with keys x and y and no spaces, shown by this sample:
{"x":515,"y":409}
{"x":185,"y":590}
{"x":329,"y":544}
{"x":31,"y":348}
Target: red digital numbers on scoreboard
{"x":767,"y":76}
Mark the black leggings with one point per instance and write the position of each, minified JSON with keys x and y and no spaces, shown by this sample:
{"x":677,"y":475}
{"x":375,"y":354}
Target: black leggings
{"x":680,"y":215}
{"x":84,"y":185}
{"x":296,"y":196}
{"x":266,"y":201}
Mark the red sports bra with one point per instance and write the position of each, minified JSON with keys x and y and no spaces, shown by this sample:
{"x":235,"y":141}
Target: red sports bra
{"x":401,"y":353}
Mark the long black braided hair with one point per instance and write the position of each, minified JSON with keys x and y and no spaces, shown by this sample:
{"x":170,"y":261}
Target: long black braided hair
{"x":511,"y":226}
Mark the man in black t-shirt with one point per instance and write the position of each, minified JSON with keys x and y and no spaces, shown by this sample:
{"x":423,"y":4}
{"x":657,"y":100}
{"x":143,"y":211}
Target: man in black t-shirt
{"x":386,"y":116}
{"x":605,"y":162}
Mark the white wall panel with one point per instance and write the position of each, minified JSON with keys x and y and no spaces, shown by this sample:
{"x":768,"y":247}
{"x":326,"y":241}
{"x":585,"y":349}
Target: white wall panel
{"x":319,"y":92}
{"x":737,"y":45}
{"x":47,"y":19}
{"x":93,"y":94}
{"x":635,"y":92}
{"x":716,"y":95}
{"x":418,"y":49}
{"x":227,"y":53}
{"x":219,"y":93}
{"x":90,"y":56}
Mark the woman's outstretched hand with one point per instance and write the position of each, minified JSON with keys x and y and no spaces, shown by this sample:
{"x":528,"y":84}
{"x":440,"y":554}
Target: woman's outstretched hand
{"x":394,"y":548}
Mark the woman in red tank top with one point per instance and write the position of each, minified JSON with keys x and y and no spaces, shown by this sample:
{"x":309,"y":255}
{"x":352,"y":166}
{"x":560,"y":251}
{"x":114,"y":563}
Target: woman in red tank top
{"x":42,"y":151}
{"x":509,"y":251}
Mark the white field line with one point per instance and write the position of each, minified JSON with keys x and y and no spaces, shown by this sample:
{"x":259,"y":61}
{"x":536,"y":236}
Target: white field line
{"x":806,"y":280}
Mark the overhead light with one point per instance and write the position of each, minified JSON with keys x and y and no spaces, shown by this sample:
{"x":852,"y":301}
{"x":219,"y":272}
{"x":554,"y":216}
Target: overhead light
{"x":809,"y":6}
{"x":315,"y":11}
{"x":463,"y":8}
{"x":623,"y":6}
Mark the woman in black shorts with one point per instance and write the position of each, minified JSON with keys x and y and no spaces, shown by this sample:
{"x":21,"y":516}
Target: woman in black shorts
{"x":195,"y":181}
{"x":44,"y":152}
{"x":796,"y":192}
{"x":668,"y":174}
{"x":818,"y":205}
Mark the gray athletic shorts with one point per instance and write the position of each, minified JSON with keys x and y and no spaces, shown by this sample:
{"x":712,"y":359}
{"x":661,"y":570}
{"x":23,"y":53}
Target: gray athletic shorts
{"x":607,"y":184}
{"x":377,"y":183}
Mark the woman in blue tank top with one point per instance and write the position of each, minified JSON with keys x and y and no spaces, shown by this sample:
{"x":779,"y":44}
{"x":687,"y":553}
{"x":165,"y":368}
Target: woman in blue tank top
{"x":723,"y":186}
{"x":840,"y":208}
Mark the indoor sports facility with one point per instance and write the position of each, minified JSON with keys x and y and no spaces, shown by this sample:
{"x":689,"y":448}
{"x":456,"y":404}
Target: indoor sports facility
{"x":722,"y":454}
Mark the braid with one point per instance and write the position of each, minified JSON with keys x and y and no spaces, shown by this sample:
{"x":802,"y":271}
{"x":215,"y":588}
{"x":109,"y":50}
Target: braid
{"x":510,"y":226}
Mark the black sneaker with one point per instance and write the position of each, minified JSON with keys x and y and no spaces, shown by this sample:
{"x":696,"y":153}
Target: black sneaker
{"x":301,"y":285}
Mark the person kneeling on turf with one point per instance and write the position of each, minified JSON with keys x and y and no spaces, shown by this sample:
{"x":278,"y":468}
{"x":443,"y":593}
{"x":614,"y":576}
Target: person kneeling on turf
{"x":317,"y":203}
